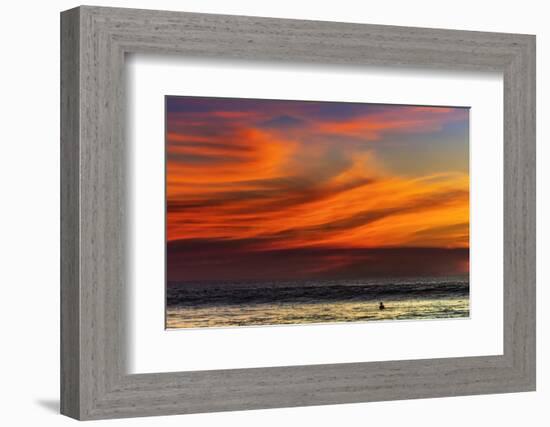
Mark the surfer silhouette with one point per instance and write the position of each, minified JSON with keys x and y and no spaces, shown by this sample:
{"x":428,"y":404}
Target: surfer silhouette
{"x":381,"y":306}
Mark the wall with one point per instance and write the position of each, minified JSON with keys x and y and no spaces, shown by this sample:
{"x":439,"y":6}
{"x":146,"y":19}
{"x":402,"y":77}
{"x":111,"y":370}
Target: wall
{"x":29,"y":229}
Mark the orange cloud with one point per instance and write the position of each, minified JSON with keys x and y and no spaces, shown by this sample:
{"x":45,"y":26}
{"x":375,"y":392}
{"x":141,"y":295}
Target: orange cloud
{"x":373,"y":126}
{"x":229,"y":179}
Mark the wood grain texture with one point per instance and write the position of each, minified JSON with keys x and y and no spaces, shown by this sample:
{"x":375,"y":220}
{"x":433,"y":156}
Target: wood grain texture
{"x":95,"y":383}
{"x":70,"y":221}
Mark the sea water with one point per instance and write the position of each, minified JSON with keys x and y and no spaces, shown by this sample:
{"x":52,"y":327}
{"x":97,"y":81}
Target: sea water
{"x":227,"y":304}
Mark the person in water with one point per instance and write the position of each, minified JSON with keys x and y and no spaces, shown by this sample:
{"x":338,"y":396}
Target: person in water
{"x":381,"y":306}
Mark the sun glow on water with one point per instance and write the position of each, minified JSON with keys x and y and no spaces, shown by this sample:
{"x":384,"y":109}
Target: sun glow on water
{"x":292,"y":313}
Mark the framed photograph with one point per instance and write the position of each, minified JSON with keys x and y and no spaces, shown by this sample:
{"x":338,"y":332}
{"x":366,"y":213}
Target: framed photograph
{"x":262,"y":213}
{"x":293,"y":212}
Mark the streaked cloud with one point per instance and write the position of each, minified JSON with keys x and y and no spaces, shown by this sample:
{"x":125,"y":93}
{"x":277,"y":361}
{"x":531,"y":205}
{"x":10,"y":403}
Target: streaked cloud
{"x":335,"y":179}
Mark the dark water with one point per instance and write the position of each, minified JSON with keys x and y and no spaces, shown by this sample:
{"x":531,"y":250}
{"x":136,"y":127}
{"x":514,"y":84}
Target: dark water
{"x":191,"y":305}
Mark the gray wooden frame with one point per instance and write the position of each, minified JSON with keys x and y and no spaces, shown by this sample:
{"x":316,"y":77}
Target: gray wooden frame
{"x":94,"y":382}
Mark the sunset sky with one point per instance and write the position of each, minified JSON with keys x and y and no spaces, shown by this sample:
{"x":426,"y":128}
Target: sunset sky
{"x":273,"y":190}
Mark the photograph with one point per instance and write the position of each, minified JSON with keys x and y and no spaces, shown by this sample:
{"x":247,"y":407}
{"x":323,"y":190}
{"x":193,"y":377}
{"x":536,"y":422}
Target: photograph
{"x":283,"y":212}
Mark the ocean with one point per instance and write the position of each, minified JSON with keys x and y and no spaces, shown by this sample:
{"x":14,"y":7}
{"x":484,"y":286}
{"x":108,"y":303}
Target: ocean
{"x":229,"y":304}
